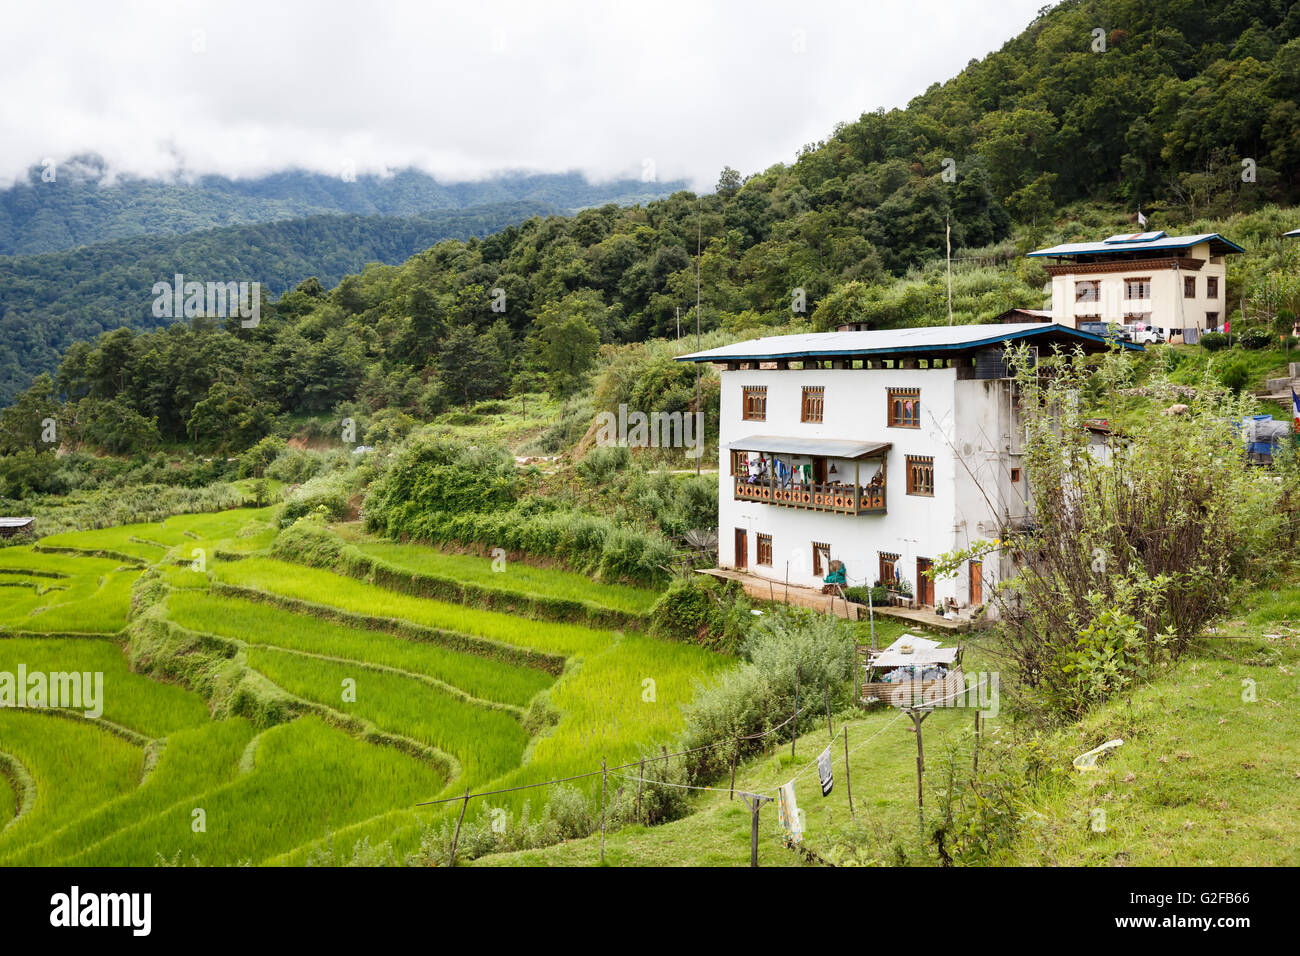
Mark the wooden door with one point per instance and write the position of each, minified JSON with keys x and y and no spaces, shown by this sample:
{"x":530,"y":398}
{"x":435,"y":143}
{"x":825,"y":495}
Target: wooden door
{"x":924,"y":584}
{"x":976,"y":583}
{"x":742,"y":549}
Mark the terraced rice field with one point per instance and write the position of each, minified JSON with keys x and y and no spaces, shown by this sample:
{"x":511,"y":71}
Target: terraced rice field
{"x":391,"y":699}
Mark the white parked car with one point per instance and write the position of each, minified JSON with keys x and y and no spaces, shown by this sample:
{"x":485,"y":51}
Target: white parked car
{"x":1147,"y":336}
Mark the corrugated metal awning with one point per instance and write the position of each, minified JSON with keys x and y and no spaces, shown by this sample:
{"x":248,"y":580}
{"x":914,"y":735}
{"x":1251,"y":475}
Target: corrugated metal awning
{"x":811,"y":447}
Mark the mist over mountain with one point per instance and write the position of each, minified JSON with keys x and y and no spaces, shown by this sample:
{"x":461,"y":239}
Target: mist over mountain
{"x":80,"y":200}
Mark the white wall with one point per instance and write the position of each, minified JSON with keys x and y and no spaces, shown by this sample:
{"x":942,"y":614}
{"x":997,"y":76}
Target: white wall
{"x":856,"y":409}
{"x":1167,"y":305}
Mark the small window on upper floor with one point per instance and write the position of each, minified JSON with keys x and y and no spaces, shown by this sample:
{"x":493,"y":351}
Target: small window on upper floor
{"x":920,"y":475}
{"x":1211,"y":287}
{"x":904,"y":408}
{"x":1189,"y":287}
{"x":1087,"y":290}
{"x":755,"y":403}
{"x":1137,"y":288}
{"x":814,"y":403}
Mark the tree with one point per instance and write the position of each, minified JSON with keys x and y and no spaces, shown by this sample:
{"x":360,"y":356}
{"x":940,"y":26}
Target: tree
{"x":471,"y":366}
{"x":31,"y":422}
{"x":565,"y":339}
{"x":729,"y":181}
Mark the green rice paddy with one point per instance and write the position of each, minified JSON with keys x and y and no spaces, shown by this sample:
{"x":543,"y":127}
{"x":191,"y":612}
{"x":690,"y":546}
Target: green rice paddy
{"x":385,"y":682}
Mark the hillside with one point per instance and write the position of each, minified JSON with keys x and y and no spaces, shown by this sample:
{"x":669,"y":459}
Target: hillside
{"x":49,"y":301}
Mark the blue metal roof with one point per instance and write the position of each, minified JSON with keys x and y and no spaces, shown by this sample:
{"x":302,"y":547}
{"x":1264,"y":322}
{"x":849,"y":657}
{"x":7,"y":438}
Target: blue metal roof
{"x":926,"y":339}
{"x":1139,"y":242}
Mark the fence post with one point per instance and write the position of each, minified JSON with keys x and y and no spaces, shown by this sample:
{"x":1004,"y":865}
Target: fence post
{"x":830,"y":729}
{"x":456,"y":836}
{"x":917,"y":717}
{"x":735,"y":755}
{"x":794,"y":729}
{"x":604,"y":776}
{"x":640,"y":780}
{"x":848,"y":780}
{"x":977,"y":741}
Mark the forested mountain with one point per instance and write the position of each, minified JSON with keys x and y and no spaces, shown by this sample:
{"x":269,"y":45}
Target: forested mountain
{"x":78,"y":201}
{"x":1056,"y":129}
{"x":50,"y":300}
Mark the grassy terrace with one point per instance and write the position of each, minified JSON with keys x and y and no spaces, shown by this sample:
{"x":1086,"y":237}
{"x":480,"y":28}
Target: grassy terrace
{"x":262,"y":624}
{"x":517,"y":578}
{"x":357,"y":597}
{"x":122,"y":791}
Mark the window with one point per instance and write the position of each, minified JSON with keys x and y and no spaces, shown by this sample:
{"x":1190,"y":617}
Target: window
{"x":755,"y":405}
{"x":740,"y":463}
{"x":765,"y":550}
{"x":814,"y":402}
{"x":1189,"y":287}
{"x":821,"y":557}
{"x":1211,"y":287}
{"x":1087,"y":291}
{"x":1211,"y":320}
{"x":888,"y":563}
{"x":904,"y":408}
{"x":1137,"y":288}
{"x":920,"y":475}
{"x":1137,"y":318}
{"x":1015,"y":475}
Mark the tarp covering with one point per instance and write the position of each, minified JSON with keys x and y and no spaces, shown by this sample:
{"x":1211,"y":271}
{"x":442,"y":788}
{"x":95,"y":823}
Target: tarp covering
{"x":924,"y":651}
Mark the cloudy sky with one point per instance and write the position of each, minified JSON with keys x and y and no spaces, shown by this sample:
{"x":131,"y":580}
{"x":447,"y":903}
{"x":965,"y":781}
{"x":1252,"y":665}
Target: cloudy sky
{"x":672,"y":89}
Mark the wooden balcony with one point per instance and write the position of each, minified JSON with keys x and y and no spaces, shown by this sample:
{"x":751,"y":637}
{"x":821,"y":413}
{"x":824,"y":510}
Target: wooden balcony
{"x":833,"y":497}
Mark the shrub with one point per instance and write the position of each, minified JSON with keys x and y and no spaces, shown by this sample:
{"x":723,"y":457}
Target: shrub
{"x":1234,"y":371}
{"x":331,"y":493}
{"x":1130,"y":555}
{"x":1255,"y":339}
{"x":1214,"y":341}
{"x":702,"y":610}
{"x":781,"y":649}
{"x":254,"y":462}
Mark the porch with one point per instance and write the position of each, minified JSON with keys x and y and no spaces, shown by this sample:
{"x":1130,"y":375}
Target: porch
{"x":810,"y":474}
{"x":797,"y":595}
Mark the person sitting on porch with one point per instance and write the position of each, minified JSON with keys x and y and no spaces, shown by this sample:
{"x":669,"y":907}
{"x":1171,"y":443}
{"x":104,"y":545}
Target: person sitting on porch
{"x":835,"y":574}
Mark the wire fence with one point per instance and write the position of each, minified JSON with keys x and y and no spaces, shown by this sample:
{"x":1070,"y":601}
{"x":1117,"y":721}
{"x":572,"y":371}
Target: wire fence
{"x":754,"y":798}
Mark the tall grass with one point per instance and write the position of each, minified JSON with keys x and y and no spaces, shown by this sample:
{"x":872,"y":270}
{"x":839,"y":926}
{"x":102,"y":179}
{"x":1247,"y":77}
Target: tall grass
{"x":307,"y":780}
{"x":194,"y":761}
{"x":76,"y":766}
{"x":486,"y":742}
{"x":143,"y":705}
{"x":322,"y":587}
{"x":264,"y":625}
{"x":516,"y":576}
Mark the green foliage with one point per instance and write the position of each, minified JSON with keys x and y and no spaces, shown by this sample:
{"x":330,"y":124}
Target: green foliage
{"x":1214,"y":341}
{"x":1132,"y":551}
{"x":784,"y":648}
{"x":701,"y":609}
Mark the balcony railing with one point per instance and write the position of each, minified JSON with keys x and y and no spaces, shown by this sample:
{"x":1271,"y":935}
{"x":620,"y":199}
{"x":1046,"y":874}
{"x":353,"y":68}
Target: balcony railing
{"x":833,"y":497}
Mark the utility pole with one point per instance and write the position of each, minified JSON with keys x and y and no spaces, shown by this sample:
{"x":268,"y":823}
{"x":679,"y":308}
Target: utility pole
{"x":699,"y":407}
{"x":947,"y":229}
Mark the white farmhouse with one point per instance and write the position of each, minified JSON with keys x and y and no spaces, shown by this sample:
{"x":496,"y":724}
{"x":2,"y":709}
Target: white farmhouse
{"x":881,"y":449}
{"x":1146,"y":279}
